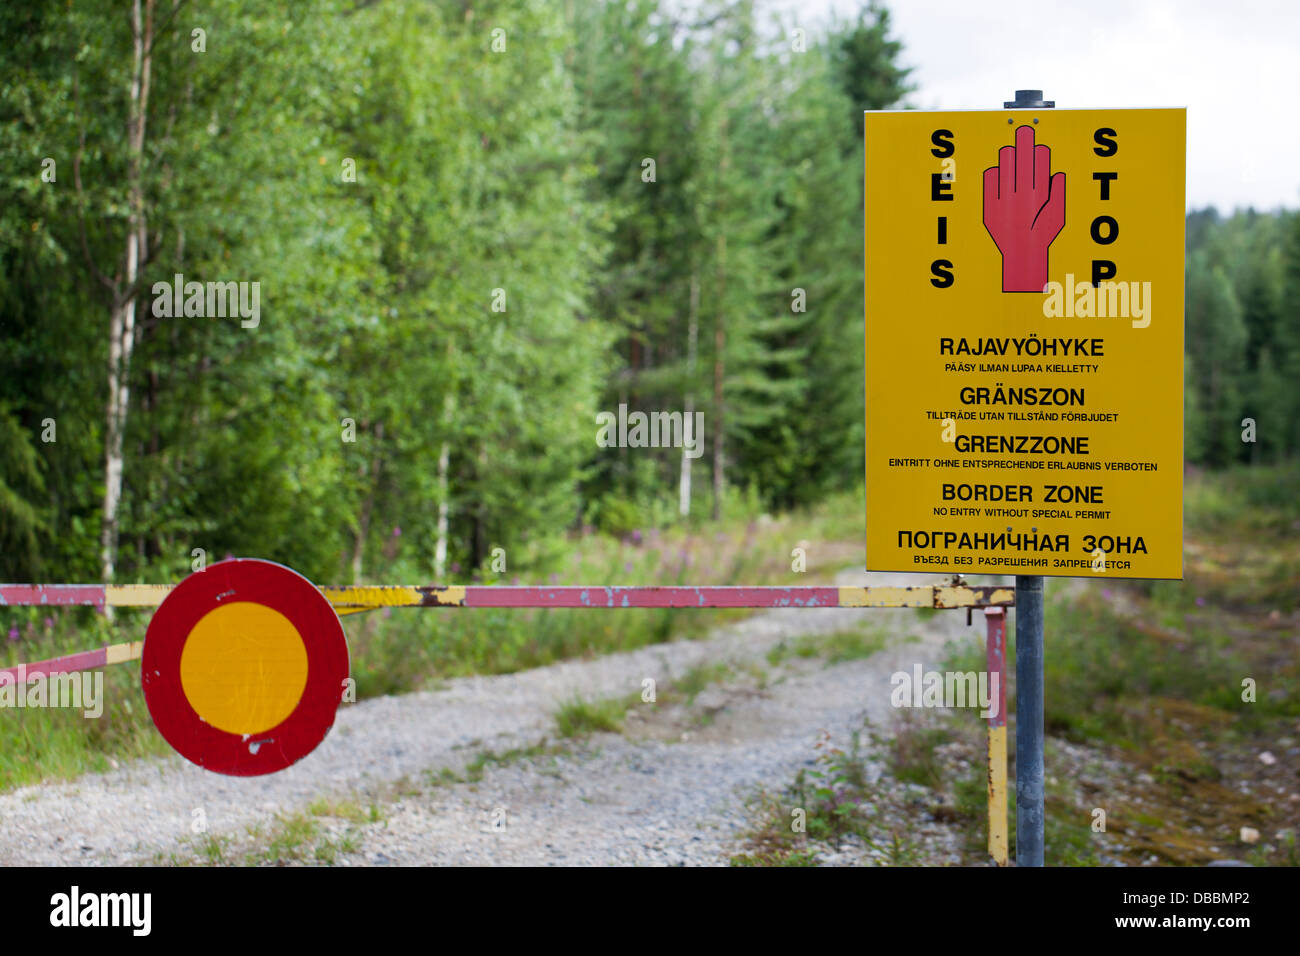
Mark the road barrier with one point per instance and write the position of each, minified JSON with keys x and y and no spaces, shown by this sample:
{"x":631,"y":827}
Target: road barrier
{"x":247,"y":584}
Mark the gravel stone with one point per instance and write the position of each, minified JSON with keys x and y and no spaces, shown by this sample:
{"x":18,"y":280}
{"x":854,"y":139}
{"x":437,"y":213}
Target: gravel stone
{"x":611,"y":799}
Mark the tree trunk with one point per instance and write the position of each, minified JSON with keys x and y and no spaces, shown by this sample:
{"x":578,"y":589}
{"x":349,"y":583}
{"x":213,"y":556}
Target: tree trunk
{"x":122,"y":316}
{"x":444,"y":505}
{"x":368,"y":505}
{"x":688,"y":419}
{"x":480,"y":513}
{"x":720,"y":344}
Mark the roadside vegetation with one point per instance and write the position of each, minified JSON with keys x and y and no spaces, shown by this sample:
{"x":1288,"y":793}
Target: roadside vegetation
{"x":1149,"y":720}
{"x":1171,"y":706}
{"x":407,"y":649}
{"x":839,"y":805}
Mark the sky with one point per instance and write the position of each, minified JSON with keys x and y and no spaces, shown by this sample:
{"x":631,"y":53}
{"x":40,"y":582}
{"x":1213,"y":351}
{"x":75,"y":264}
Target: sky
{"x":1234,"y":64}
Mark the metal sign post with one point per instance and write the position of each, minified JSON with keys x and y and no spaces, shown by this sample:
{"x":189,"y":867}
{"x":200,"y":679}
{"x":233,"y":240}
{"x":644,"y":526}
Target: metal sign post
{"x":1029,"y":669}
{"x":1029,"y":720}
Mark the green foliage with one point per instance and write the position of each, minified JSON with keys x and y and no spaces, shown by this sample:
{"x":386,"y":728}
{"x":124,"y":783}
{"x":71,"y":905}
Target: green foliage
{"x":834,"y":800}
{"x":383,"y":172}
{"x":752,"y":144}
{"x":20,"y":482}
{"x":912,"y":757}
{"x":579,"y":716}
{"x":1245,"y":501}
{"x":695,"y":680}
{"x":865,"y":58}
{"x":836,"y":647}
{"x":53,"y":743}
{"x":1243,"y":336}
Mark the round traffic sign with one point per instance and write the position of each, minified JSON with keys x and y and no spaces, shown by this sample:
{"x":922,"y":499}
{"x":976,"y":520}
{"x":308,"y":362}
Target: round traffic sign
{"x":244,"y":666}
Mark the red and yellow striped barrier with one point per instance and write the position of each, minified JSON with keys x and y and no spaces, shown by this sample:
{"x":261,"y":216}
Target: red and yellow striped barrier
{"x":355,"y":599}
{"x":351,"y":599}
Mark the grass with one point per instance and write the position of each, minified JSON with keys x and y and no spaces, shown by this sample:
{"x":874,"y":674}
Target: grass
{"x":475,"y":769}
{"x":837,"y":647}
{"x":291,"y":838}
{"x":822,"y":809}
{"x":348,"y":810}
{"x":299,"y":838}
{"x":401,"y":650}
{"x":960,"y":799}
{"x":911,"y":752}
{"x":483,"y":760}
{"x":54,"y":743}
{"x":1147,"y":672}
{"x":213,"y":849}
{"x":1243,"y":526}
{"x":578,"y":717}
{"x":694,"y":681}
{"x":1150,"y":674}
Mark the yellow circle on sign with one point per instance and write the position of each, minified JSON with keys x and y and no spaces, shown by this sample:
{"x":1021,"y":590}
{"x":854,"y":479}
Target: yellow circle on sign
{"x":244,"y":667}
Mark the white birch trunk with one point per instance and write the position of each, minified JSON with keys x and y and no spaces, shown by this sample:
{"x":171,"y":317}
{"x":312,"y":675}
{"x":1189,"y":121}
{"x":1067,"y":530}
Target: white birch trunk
{"x":688,"y":421}
{"x":444,"y":506}
{"x":122,"y":317}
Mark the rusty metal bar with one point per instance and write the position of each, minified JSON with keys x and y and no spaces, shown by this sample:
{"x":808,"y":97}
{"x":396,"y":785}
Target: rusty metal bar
{"x":350,"y":599}
{"x":996,"y":650}
{"x":71,"y":663}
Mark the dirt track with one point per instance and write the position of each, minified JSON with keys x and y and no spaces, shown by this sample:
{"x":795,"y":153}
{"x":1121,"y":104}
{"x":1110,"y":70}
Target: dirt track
{"x":670,"y":790}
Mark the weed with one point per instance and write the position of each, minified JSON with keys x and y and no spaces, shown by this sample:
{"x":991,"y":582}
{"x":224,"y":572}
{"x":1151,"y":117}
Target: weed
{"x":837,"y":647}
{"x":690,"y":684}
{"x":348,"y":810}
{"x":213,"y":849}
{"x":475,"y":769}
{"x":912,"y":756}
{"x":834,"y":801}
{"x":298,"y":838}
{"x":579,"y":716}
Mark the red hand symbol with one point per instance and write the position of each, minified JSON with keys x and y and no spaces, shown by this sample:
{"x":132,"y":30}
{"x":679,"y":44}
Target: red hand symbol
{"x":1024,"y":210}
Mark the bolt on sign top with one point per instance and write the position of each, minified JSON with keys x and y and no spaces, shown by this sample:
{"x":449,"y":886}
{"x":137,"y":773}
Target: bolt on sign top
{"x":1024,"y":341}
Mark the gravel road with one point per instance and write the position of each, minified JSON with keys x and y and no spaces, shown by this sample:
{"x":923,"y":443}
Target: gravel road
{"x":670,"y":790}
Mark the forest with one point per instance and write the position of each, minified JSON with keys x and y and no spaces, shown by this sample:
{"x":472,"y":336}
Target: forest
{"x":443,"y":239}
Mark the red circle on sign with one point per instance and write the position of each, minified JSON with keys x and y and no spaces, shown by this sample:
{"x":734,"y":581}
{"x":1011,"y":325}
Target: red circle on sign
{"x":283,"y":591}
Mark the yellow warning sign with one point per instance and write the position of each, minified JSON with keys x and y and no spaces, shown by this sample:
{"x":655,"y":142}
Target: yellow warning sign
{"x":1024,"y":341}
